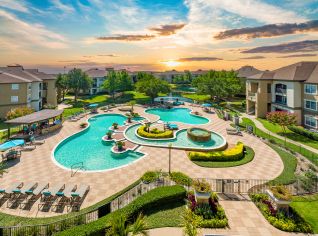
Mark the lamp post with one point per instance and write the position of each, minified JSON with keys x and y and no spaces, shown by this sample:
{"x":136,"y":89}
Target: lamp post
{"x":170,"y":146}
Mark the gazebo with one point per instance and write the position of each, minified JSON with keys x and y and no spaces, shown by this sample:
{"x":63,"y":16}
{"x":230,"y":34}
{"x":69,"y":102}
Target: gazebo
{"x":40,"y":121}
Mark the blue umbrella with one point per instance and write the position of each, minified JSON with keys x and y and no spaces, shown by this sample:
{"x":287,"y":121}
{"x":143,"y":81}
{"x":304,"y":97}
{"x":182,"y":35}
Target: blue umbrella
{"x":206,"y":105}
{"x":94,"y":105}
{"x":11,"y":144}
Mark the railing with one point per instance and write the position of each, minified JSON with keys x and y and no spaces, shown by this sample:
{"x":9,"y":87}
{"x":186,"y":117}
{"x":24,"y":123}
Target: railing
{"x":77,"y":167}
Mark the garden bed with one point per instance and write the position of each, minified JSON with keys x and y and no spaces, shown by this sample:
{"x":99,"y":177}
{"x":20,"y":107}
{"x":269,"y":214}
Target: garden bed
{"x":154,"y":133}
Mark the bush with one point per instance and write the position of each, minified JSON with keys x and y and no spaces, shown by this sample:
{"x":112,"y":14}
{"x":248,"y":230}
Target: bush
{"x":281,"y":192}
{"x":304,"y":132}
{"x":181,"y":178}
{"x":155,"y":133}
{"x":150,"y":176}
{"x":18,"y":112}
{"x":233,"y":154}
{"x":201,"y":186}
{"x":154,"y":198}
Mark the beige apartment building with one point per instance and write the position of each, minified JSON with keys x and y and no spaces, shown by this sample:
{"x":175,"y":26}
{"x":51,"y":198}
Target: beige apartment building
{"x":291,"y":88}
{"x":25,"y":87}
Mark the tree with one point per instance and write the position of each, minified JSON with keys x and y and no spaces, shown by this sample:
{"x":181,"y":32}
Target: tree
{"x":117,"y":81}
{"x":152,"y":86}
{"x":110,"y":83}
{"x":119,"y":227}
{"x":218,"y":84}
{"x":18,"y":112}
{"x":282,"y":118}
{"x":61,"y":84}
{"x":78,"y":80}
{"x":132,"y":103}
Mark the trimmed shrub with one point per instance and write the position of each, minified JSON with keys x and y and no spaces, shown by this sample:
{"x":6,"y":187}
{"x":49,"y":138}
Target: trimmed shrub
{"x":233,"y":154}
{"x":150,"y":176}
{"x":154,"y":198}
{"x":18,"y":112}
{"x":181,"y":178}
{"x":155,"y":133}
{"x":304,"y":132}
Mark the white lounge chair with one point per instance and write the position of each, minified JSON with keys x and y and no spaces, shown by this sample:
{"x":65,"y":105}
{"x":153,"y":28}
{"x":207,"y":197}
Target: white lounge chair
{"x":27,"y":148}
{"x":78,"y":195}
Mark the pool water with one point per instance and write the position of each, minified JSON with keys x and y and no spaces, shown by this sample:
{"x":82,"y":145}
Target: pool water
{"x":180,"y":141}
{"x":178,"y":115}
{"x":87,"y":146}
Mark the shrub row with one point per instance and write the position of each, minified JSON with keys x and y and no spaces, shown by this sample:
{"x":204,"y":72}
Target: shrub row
{"x":154,"y":198}
{"x":181,"y":178}
{"x":142,"y":131}
{"x":304,"y":132}
{"x":232,"y":154}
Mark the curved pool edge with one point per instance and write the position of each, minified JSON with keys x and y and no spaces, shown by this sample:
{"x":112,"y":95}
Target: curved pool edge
{"x":190,"y":112}
{"x":145,"y":154}
{"x":180,"y":147}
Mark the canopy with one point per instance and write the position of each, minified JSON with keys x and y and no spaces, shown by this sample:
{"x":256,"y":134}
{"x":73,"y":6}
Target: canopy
{"x":11,"y":144}
{"x":94,"y":105}
{"x":206,"y":105}
{"x":36,"y":117}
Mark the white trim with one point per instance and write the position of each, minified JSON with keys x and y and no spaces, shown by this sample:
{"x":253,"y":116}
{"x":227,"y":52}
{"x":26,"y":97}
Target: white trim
{"x":309,"y":116}
{"x":310,"y":93}
{"x":305,"y":100}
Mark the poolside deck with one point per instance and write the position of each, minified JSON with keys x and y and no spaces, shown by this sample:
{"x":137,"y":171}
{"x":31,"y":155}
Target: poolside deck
{"x":38,"y":165}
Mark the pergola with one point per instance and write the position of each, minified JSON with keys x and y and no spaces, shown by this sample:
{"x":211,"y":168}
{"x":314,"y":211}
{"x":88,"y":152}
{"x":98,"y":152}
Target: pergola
{"x":36,"y":117}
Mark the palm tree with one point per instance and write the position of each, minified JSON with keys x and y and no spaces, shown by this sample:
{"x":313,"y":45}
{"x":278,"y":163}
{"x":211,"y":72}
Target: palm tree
{"x":119,"y":227}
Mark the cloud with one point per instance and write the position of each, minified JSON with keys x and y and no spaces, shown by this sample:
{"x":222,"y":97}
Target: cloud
{"x":62,"y":7}
{"x":298,"y":55}
{"x":127,"y":37}
{"x":107,"y":55}
{"x":271,"y":30}
{"x":165,"y":30}
{"x":251,"y":58}
{"x":14,"y":5}
{"x":189,"y":59}
{"x":16,"y":31}
{"x":302,"y":46}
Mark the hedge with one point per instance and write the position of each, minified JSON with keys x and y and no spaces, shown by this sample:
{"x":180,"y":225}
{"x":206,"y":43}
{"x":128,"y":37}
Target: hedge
{"x":233,"y":154}
{"x":156,"y":134}
{"x":181,"y":178}
{"x":304,"y":132}
{"x":157,"y":197}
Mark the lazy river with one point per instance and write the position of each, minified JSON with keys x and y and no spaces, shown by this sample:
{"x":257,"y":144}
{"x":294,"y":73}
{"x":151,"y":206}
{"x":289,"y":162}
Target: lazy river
{"x":87,"y":147}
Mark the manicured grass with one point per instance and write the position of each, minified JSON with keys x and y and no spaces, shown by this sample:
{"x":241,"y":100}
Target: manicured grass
{"x":95,"y":98}
{"x":71,"y":111}
{"x":165,"y":216}
{"x":218,"y":164}
{"x":197,"y":97}
{"x":290,"y":164}
{"x":307,"y":207}
{"x":311,"y":156}
{"x":289,"y":134}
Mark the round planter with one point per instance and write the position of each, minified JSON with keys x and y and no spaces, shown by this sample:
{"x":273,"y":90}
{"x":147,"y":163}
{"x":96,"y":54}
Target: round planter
{"x":199,"y":134}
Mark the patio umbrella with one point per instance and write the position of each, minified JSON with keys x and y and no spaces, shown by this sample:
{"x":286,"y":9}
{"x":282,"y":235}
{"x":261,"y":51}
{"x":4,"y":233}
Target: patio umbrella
{"x":11,"y":144}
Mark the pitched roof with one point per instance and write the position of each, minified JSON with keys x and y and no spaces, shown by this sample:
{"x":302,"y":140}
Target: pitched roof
{"x":246,"y":71}
{"x":96,"y":72}
{"x":36,"y":117}
{"x":301,"y":71}
{"x":17,"y":74}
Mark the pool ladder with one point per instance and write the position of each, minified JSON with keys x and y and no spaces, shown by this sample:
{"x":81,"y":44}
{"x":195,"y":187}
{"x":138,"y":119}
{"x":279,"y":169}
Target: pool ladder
{"x":76,"y":167}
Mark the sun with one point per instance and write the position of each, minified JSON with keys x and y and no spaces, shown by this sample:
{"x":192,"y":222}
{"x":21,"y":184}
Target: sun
{"x":172,"y":63}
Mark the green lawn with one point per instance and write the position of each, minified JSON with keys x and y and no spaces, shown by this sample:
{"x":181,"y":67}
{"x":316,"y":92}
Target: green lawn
{"x":290,"y":164}
{"x":71,"y":111}
{"x":95,"y":98}
{"x":311,"y":156}
{"x":197,"y":97}
{"x":307,"y":207}
{"x":217,"y":164}
{"x":289,"y":134}
{"x":165,"y":216}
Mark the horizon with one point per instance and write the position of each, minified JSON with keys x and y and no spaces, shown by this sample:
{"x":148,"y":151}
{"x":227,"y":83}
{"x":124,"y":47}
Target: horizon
{"x":180,"y":34}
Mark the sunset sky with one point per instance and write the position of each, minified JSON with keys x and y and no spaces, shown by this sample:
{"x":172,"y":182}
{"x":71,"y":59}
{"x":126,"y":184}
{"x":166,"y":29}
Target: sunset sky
{"x":157,"y":34}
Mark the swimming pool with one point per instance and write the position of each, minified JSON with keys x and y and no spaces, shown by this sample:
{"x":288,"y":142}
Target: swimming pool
{"x":177,"y":114}
{"x":88,"y":148}
{"x":180,"y":141}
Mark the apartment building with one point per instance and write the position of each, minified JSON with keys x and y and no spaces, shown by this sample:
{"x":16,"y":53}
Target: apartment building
{"x":291,"y":88}
{"x":25,"y":87}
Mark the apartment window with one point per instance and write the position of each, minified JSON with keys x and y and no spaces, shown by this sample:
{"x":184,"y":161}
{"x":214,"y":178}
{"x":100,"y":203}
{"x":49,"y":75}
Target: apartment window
{"x":15,"y":86}
{"x":281,"y":99}
{"x":14,"y":98}
{"x":281,"y":88}
{"x":311,"y":105}
{"x":310,"y":121}
{"x":310,"y":88}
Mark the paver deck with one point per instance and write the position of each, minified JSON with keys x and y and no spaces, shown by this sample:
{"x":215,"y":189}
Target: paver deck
{"x":38,"y":165}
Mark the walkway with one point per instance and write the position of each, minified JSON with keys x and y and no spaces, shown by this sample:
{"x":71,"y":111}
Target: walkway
{"x":244,"y":219}
{"x":261,"y":127}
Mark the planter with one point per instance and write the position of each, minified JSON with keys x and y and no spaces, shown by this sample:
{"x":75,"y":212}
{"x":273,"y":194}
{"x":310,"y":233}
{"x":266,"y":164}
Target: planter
{"x":236,"y":120}
{"x":278,"y":204}
{"x":202,"y":197}
{"x":199,"y":134}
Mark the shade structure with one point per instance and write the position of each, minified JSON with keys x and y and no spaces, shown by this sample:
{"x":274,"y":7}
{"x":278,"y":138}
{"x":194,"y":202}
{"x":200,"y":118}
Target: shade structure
{"x":206,"y":105}
{"x":10,"y":144}
{"x":94,"y":105}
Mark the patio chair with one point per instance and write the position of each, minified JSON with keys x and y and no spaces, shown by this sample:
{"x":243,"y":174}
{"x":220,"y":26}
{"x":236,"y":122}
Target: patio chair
{"x":65,"y":195}
{"x":79,"y":195}
{"x":48,"y":196}
{"x":27,"y":148}
{"x":11,"y":154}
{"x":6,"y":192}
{"x":35,"y":142}
{"x":33,"y":194}
{"x":18,"y":194}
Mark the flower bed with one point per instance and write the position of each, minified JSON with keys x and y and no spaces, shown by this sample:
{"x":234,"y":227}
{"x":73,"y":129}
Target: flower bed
{"x":154,"y":133}
{"x":233,"y":154}
{"x":211,"y":214}
{"x":289,"y":222}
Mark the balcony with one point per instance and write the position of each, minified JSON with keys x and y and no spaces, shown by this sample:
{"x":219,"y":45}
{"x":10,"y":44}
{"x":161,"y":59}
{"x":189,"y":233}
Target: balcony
{"x":251,"y":96}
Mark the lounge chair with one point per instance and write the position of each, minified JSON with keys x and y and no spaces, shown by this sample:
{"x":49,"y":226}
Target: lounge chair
{"x":65,"y":195}
{"x":173,"y":126}
{"x":27,"y":148}
{"x":78,"y":195}
{"x":19,"y":194}
{"x":11,"y":154}
{"x":7,"y":192}
{"x":36,"y":142}
{"x":234,"y":131}
{"x":33,"y":194}
{"x":49,"y":193}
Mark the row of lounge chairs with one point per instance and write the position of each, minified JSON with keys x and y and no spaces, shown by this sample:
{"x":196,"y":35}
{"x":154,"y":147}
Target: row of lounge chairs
{"x":77,"y":116}
{"x":234,"y":131}
{"x":57,"y":196}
